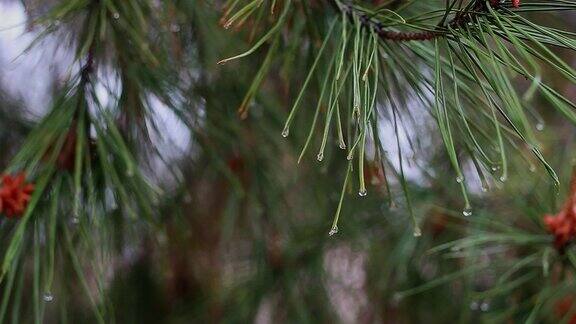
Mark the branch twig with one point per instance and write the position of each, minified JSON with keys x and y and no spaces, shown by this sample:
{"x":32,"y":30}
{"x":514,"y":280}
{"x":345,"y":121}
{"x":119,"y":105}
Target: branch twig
{"x":460,"y":19}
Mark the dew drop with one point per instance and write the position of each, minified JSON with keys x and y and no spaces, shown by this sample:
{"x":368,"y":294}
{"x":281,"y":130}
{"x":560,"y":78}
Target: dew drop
{"x":540,"y":126}
{"x":342,"y":145}
{"x":333,"y":231}
{"x":396,"y":298}
{"x":503,"y":178}
{"x":417,"y":231}
{"x":75,"y":220}
{"x":285,"y":132}
{"x":362,"y":193}
{"x":459,"y":179}
{"x":350,"y":156}
{"x":116,"y":15}
{"x":456,"y":248}
{"x":495,"y":168}
{"x":174,"y":28}
{"x":467,"y":211}
{"x":532,"y":168}
{"x":320,"y":157}
{"x":484,"y":189}
{"x":485,"y":306}
{"x":47,"y":297}
{"x":474,"y":305}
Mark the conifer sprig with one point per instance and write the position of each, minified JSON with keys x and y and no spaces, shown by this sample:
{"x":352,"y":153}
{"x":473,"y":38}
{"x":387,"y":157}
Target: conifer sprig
{"x":455,"y":64}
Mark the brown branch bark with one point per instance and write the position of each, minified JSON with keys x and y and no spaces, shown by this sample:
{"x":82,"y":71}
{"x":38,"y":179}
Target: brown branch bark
{"x":460,"y":19}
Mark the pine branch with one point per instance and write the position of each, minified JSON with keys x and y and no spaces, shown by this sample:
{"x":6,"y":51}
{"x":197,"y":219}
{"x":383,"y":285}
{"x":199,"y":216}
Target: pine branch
{"x":460,"y":19}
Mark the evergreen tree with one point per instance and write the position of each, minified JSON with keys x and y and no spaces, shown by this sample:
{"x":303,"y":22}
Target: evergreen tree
{"x":290,"y":161}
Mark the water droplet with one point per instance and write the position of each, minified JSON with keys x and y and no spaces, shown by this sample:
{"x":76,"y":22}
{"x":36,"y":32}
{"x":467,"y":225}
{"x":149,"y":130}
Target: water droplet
{"x":342,"y":145}
{"x":174,"y":28}
{"x":503,"y":178}
{"x":75,"y":220}
{"x":333,"y":231}
{"x":474,"y":305}
{"x":417,"y":231}
{"x":116,"y":15}
{"x":320,"y":157}
{"x":485,"y":306}
{"x":285,"y":132}
{"x":350,"y":156}
{"x":456,"y":248}
{"x":484,"y":189}
{"x":397,"y":298}
{"x":47,"y":297}
{"x":130,"y":172}
{"x":495,"y":168}
{"x":467,"y":211}
{"x":459,"y":179}
{"x":532,"y":168}
{"x":540,"y":126}
{"x":362,"y":193}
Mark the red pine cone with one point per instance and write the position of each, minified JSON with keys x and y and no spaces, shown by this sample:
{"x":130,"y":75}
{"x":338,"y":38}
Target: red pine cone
{"x":563,"y":224}
{"x":14,"y":194}
{"x":563,"y":307}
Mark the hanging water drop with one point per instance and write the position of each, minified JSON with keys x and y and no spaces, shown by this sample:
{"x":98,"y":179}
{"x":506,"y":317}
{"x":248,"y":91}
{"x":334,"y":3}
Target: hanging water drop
{"x":485,"y":306}
{"x":474,"y":305}
{"x":540,"y":126}
{"x":320,"y":157}
{"x":285,"y":132}
{"x":174,"y":28}
{"x":333,"y":231}
{"x":467,"y":211}
{"x":116,"y":15}
{"x":459,"y":179}
{"x":532,"y":168}
{"x":484,"y":188}
{"x":362,"y":193}
{"x":456,"y":248}
{"x":503,"y":178}
{"x":396,"y":298}
{"x":47,"y":297}
{"x":342,"y":145}
{"x":417,"y":231}
{"x":75,"y":220}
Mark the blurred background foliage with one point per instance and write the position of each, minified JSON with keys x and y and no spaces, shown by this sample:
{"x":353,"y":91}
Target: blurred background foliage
{"x":239,"y":230}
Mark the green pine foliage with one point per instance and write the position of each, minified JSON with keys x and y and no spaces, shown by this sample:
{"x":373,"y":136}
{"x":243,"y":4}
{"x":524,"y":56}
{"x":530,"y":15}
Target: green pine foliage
{"x":345,"y":161}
